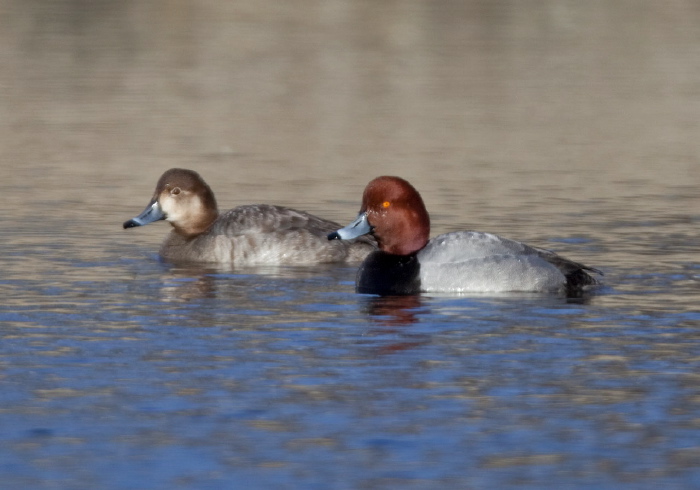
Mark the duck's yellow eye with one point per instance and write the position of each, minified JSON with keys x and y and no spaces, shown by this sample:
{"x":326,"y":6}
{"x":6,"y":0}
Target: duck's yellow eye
{"x":386,"y":204}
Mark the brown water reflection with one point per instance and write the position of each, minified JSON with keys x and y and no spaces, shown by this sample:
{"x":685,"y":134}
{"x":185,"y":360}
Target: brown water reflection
{"x":395,"y":310}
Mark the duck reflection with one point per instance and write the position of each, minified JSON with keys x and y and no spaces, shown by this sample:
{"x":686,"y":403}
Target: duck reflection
{"x":390,"y":314}
{"x":185,"y":284}
{"x":394,"y":310}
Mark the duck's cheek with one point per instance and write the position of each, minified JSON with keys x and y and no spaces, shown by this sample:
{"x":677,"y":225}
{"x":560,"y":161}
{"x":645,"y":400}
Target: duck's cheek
{"x":171,"y":209}
{"x":183,"y":209}
{"x":378,"y":221}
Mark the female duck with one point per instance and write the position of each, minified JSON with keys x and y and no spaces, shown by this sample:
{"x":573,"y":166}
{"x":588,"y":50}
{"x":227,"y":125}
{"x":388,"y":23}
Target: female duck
{"x":247,"y":235}
{"x":464,"y":261}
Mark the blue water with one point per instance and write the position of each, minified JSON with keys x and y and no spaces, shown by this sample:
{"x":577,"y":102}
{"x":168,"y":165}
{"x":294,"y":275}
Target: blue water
{"x":144,"y":375}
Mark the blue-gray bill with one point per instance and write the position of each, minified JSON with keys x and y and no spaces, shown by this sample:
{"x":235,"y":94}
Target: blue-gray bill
{"x":149,"y":215}
{"x":357,"y":228}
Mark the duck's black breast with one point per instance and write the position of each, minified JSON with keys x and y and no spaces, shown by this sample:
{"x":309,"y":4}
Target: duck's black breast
{"x":386,"y":274}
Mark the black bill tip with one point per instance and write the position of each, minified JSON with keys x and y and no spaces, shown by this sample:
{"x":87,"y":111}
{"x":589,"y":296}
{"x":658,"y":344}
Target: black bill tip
{"x":331,"y":236}
{"x":131,"y":224}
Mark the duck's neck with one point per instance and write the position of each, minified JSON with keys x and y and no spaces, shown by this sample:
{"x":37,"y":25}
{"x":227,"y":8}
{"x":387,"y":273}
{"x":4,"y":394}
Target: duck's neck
{"x":385,"y":273}
{"x":196,"y":222}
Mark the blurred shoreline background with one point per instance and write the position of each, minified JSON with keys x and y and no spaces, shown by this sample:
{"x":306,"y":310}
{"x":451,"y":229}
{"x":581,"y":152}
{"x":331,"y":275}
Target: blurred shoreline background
{"x":589,"y":99}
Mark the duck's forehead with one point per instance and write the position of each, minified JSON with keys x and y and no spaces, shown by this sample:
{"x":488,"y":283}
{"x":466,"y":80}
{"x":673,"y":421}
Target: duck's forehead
{"x":385,"y":189}
{"x":177,"y":178}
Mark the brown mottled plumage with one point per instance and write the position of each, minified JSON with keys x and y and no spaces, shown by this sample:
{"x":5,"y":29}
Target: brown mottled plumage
{"x":259,"y":234}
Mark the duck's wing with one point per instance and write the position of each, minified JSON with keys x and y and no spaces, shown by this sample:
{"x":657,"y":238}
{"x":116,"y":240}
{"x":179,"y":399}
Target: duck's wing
{"x":268,"y":218}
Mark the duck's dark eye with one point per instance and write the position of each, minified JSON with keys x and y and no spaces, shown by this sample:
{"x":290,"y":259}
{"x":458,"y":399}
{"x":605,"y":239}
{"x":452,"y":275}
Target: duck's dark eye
{"x":175,"y":191}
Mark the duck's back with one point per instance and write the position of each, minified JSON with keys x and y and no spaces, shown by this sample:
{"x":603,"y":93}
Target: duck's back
{"x":459,"y":246}
{"x":471,"y":261}
{"x":266,"y":234}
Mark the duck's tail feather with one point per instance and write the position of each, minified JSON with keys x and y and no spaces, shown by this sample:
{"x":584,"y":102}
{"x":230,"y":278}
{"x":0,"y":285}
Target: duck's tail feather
{"x":577,"y":275}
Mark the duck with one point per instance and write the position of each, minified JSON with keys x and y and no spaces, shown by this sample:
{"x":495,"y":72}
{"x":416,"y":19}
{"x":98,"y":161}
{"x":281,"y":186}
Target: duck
{"x":249,"y":235}
{"x":408,"y":261}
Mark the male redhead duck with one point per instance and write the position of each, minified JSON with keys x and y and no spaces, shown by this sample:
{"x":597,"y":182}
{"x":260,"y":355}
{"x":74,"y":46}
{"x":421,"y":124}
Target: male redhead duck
{"x":463,"y":261}
{"x":259,"y":234}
